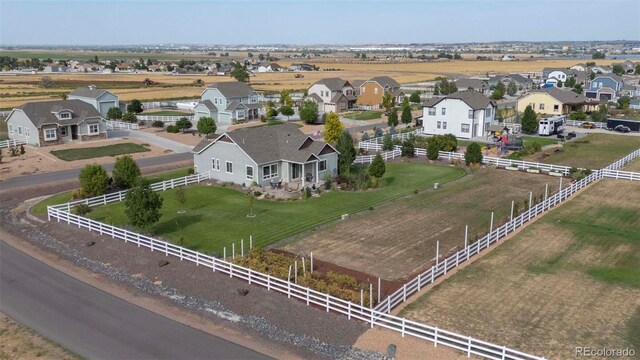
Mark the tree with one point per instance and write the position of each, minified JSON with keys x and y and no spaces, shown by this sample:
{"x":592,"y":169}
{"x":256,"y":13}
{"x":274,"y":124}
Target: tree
{"x":637,"y":72}
{"x":142,"y":204}
{"x":135,"y":106}
{"x":624,"y":102}
{"x":598,"y":55}
{"x":405,"y":102}
{"x":347,"y":152}
{"x":387,"y":142}
{"x":125,"y":172}
{"x":240,"y":72}
{"x":309,"y":111}
{"x":408,"y":148}
{"x":130,"y":117}
{"x":377,"y":167}
{"x":183,"y":124}
{"x":560,"y":84}
{"x":285,"y":98}
{"x":571,"y":82}
{"x":415,"y":97}
{"x":95,"y":59}
{"x":46,"y":82}
{"x":392,"y":119}
{"x":601,"y":114}
{"x":206,"y":126}
{"x":436,"y":89}
{"x":617,"y":69}
{"x":114,"y":113}
{"x":529,"y":121}
{"x":332,"y":128}
{"x":93,"y":180}
{"x":473,"y":155}
{"x":181,"y":197}
{"x":512,"y":88}
{"x":406,"y":116}
{"x":272,"y":112}
{"x":498,"y":91}
{"x":22,"y":151}
{"x":388,"y":101}
{"x":577,"y":88}
{"x":433,"y":150}
{"x":287,"y":111}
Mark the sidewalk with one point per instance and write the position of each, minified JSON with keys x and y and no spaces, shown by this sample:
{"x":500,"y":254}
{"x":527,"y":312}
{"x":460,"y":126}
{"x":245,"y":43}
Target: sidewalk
{"x":151,"y":139}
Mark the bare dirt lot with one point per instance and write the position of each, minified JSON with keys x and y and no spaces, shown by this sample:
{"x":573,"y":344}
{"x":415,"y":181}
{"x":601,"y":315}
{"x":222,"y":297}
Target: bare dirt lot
{"x":20,"y":342}
{"x":572,"y":279}
{"x":396,"y":240}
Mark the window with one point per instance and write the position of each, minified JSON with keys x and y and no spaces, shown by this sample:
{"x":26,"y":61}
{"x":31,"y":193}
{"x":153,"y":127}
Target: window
{"x":321,"y":93}
{"x":444,"y":111}
{"x":464,"y":128}
{"x":10,"y":129}
{"x":229,"y":167}
{"x":432,"y":111}
{"x":50,"y":134}
{"x":444,"y":124}
{"x":215,"y":101}
{"x":556,"y":108}
{"x":375,"y":90}
{"x":63,"y":131}
{"x":240,"y":114}
{"x":439,"y":124}
{"x":26,"y":132}
{"x":541,"y":106}
{"x":249,"y":172}
{"x":65,"y":115}
{"x":470,"y":114}
{"x":270,"y":171}
{"x":215,"y":164}
{"x":487,"y":112}
{"x":322,"y":165}
{"x":94,"y":129}
{"x":19,"y":130}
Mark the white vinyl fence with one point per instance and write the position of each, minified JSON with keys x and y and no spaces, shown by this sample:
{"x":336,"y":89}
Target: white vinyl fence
{"x":622,"y":175}
{"x":12,"y":142}
{"x":165,"y":119}
{"x":368,"y":159}
{"x":598,"y":125}
{"x":121,"y":125}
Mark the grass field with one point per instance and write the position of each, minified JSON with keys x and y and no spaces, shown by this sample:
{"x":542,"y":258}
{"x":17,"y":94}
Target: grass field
{"x":397,"y":239}
{"x":19,"y":342}
{"x":365,"y":115}
{"x":216,"y":216}
{"x":527,"y":141}
{"x":570,"y":279}
{"x":592,"y":152}
{"x":96,"y":152}
{"x":41,"y":207}
{"x":4,"y":131}
{"x":633,"y":166}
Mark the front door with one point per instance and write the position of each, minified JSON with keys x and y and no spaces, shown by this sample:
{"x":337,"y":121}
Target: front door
{"x":74,"y":132}
{"x":296,"y":171}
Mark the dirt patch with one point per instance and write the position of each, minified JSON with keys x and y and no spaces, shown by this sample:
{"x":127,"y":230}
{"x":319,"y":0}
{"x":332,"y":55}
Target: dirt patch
{"x":19,"y":342}
{"x":536,"y":291}
{"x":399,"y":239}
{"x":191,"y":138}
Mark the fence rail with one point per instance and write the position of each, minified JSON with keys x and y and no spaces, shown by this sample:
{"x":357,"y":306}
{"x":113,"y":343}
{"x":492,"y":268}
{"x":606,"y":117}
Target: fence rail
{"x":386,"y":156}
{"x":598,"y":125}
{"x":623,"y":175}
{"x":12,"y":142}
{"x":121,"y":125}
{"x":164,"y":118}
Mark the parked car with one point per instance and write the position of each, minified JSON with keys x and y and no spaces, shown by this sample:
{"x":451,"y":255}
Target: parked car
{"x":622,"y":129}
{"x":587,"y":125}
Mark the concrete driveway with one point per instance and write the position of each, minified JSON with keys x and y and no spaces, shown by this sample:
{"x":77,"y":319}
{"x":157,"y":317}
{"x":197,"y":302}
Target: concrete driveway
{"x":151,"y":139}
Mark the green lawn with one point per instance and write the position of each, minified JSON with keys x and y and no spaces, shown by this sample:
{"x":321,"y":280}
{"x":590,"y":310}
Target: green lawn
{"x":96,"y":152}
{"x":527,"y":141}
{"x":41,"y":207}
{"x":4,"y":132}
{"x":592,"y":152}
{"x":166,"y":113}
{"x":216,"y":216}
{"x":365,"y":115}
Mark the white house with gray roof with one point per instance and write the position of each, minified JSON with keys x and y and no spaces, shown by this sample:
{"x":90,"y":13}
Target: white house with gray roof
{"x":49,"y":123}
{"x":466,"y":114}
{"x":228,"y":102}
{"x":332,"y":94}
{"x":279,"y":154}
{"x":102,"y":100}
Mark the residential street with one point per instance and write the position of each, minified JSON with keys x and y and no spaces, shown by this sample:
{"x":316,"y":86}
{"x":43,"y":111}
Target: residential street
{"x":95,"y":324}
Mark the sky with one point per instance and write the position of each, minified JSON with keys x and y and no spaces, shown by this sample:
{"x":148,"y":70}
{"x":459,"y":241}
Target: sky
{"x":307,"y":22}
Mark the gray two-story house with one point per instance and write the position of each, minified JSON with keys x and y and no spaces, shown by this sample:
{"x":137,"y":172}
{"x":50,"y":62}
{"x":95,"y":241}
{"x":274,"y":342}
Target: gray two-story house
{"x":49,"y":123}
{"x":102,"y":100}
{"x":228,"y":102}
{"x":605,"y":87}
{"x":269,"y":155}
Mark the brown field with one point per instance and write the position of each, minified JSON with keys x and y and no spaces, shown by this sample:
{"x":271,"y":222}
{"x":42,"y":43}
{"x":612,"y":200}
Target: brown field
{"x":633,"y":166}
{"x":396,"y":240}
{"x":129,"y":86}
{"x":20,"y":342}
{"x":570,"y":279}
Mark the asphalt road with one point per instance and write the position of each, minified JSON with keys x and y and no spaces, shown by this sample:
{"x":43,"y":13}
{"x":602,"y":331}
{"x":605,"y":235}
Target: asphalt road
{"x":72,"y":174}
{"x":95,"y":324}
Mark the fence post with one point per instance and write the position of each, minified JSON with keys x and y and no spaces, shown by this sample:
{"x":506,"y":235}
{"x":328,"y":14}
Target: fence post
{"x":469,"y":347}
{"x":311,"y":262}
{"x":289,"y":283}
{"x":530,"y":199}
{"x":435,"y":339}
{"x":249,"y":276}
{"x":404,"y":292}
{"x":512,"y":205}
{"x":296,"y":271}
{"x":388,"y":304}
{"x":349,"y":309}
{"x":361,"y":299}
{"x":379,"y":289}
{"x":268,"y":282}
{"x":250,"y":243}
{"x":402,"y":330}
{"x":437,"y":253}
{"x":242,"y":247}
{"x":233,"y":250}
{"x":560,"y":189}
{"x":371,"y":297}
{"x":490,"y":230}
{"x":224,"y":253}
{"x":466,"y":239}
{"x":327,"y":302}
{"x":139,"y":241}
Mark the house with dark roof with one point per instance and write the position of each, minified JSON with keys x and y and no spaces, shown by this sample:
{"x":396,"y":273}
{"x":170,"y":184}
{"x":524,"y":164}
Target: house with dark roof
{"x":466,"y":114}
{"x":228,"y":103}
{"x":522,"y":82}
{"x":479,"y":85}
{"x":554,"y":101}
{"x":102,"y":100}
{"x":332,"y":94}
{"x":49,"y":123}
{"x":279,"y":154}
{"x":372,"y":91}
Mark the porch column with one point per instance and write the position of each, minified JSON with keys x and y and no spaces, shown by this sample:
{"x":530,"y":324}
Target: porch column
{"x":317,"y":178}
{"x":302,"y":175}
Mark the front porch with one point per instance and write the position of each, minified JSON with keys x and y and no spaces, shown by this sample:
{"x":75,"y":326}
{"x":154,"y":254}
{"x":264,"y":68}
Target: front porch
{"x":296,"y":176}
{"x":69,"y":133}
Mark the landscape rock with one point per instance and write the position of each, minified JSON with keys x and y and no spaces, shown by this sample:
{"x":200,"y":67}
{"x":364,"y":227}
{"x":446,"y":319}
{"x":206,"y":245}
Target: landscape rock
{"x":243,"y":292}
{"x":162,"y":263}
{"x":90,"y":243}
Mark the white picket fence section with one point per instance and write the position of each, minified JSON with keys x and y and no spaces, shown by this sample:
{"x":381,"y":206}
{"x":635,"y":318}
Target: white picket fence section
{"x":624,"y":161}
{"x":12,"y":142}
{"x":371,"y":316}
{"x":386,"y":156}
{"x":622,"y":175}
{"x":165,"y":119}
{"x":504,"y":162}
{"x":121,"y":125}
{"x":598,"y":125}
{"x":379,"y":140}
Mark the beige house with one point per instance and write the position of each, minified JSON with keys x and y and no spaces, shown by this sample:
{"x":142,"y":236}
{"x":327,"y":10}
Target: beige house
{"x":553,"y":101}
{"x":371,"y":91}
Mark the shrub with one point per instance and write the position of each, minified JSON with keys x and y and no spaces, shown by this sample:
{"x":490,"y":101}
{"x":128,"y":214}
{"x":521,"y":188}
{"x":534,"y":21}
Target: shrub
{"x":328,"y":180}
{"x":365,"y":136}
{"x":114,"y":113}
{"x":447,"y":142}
{"x":455,"y":162}
{"x":432,"y":150}
{"x":257,"y":193}
{"x":263,"y":118}
{"x":184,"y":124}
{"x":158,"y":124}
{"x":378,"y":167}
{"x":408,"y":148}
{"x":306,"y":192}
{"x":535,"y":147}
{"x":82,"y":209}
{"x":191,"y":171}
{"x":378,"y":132}
{"x":473,"y":155}
{"x":142,"y":123}
{"x":387,"y":142}
{"x":93,"y":180}
{"x":125,"y":172}
{"x":77,"y":194}
{"x":374,"y":182}
{"x":130,"y":118}
{"x":173,"y":129}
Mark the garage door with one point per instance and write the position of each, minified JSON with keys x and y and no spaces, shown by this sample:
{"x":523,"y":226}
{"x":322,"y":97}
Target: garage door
{"x":105,"y":106}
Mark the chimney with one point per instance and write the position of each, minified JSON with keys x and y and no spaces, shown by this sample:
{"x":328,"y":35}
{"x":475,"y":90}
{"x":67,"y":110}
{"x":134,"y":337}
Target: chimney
{"x":92,"y":87}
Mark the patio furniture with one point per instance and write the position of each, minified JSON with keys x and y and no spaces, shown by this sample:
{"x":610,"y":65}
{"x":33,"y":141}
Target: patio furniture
{"x":308,"y":177}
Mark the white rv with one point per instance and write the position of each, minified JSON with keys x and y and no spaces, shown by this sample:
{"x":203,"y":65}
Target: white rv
{"x":551,"y":126}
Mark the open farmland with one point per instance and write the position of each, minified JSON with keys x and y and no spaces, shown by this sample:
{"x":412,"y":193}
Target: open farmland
{"x":396,"y":240}
{"x":570,"y":279}
{"x":591,"y":152}
{"x":217,"y":216}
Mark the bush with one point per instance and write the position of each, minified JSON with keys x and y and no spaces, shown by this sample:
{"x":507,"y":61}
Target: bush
{"x":77,"y":194}
{"x":114,"y":113}
{"x":378,"y":132}
{"x":578,"y":174}
{"x":365,"y":136}
{"x":387,"y":142}
{"x":173,"y":129}
{"x":473,"y":155}
{"x":306,"y":192}
{"x":125,"y":172}
{"x":257,"y":193}
{"x":577,"y":115}
{"x":158,"y":124}
{"x":184,"y":124}
{"x":93,"y":180}
{"x":191,"y":171}
{"x":82,"y":209}
{"x":328,"y":179}
{"x":535,"y":147}
{"x":408,"y":148}
{"x":378,"y":167}
{"x":432,"y":150}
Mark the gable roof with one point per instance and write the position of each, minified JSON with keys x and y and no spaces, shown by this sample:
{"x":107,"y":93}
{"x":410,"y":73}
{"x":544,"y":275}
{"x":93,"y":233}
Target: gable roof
{"x":316,"y":98}
{"x":267,"y":144}
{"x":564,"y":96}
{"x":43,"y":112}
{"x":208,"y":104}
{"x":465,"y":83}
{"x":334,"y":84}
{"x":357,"y":83}
{"x":474,"y":99}
{"x":88,"y":92}
{"x":612,"y":76}
{"x":385,"y":81}
{"x":232,"y":89}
